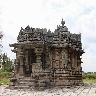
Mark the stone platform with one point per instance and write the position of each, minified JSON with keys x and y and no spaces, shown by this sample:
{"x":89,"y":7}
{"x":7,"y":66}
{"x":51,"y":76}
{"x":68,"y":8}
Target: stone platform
{"x":50,"y":58}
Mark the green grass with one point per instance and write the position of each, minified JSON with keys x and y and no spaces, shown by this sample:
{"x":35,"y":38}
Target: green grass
{"x":89,"y":77}
{"x":4,"y":77}
{"x":5,"y":74}
{"x":89,"y":81}
{"x":4,"y":81}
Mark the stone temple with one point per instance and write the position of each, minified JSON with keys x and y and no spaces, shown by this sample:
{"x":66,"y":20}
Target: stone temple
{"x":47,"y":59}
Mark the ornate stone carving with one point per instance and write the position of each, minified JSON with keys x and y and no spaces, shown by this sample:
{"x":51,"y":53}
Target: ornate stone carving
{"x":57,"y":56}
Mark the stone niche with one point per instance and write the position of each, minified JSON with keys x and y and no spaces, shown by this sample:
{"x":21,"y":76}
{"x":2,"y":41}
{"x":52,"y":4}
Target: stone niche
{"x":48,"y":58}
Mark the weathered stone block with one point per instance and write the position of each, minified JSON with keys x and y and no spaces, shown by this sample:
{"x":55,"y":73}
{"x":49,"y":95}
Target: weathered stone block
{"x":49,"y":59}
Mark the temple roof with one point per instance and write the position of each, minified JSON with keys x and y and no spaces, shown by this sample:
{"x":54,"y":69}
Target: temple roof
{"x":61,"y":37}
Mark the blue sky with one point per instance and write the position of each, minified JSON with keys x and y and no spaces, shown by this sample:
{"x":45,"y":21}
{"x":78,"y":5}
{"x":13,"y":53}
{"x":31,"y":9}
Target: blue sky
{"x":79,"y":15}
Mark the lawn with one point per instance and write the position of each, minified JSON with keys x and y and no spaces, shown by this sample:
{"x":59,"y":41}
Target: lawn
{"x":89,"y":77}
{"x":4,"y":81}
{"x":4,"y":77}
{"x":89,"y":81}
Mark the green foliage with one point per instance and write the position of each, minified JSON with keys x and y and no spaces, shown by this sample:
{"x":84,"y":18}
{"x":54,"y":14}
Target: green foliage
{"x":6,"y":71}
{"x":1,"y":36}
{"x":4,"y":81}
{"x":4,"y":74}
{"x":89,"y":77}
{"x":7,"y":63}
{"x":4,"y":77}
{"x":89,"y":81}
{"x":8,"y":66}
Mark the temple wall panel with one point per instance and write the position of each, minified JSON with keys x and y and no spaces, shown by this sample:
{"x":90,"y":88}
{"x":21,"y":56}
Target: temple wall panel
{"x":49,"y":57}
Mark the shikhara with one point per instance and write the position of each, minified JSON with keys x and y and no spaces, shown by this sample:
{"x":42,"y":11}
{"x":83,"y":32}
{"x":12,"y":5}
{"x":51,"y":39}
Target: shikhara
{"x":48,"y":58}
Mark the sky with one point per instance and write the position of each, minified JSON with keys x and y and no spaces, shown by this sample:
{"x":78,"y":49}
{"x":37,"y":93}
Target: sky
{"x":79,"y":16}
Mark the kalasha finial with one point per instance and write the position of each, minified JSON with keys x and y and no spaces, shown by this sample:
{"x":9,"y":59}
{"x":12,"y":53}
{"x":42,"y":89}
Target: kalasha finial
{"x":62,"y":22}
{"x":21,"y":29}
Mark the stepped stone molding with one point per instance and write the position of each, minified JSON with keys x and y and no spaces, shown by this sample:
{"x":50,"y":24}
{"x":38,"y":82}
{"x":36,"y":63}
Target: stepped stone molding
{"x":48,"y":58}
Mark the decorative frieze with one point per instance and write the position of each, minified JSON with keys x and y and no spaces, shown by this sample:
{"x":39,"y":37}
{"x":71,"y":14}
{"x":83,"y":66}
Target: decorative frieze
{"x":49,"y":58}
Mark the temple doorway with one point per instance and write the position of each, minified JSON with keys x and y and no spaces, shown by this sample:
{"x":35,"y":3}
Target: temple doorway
{"x":30,"y":59}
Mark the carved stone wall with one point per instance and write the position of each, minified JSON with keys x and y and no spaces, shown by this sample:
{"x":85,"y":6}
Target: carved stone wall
{"x":50,"y":58}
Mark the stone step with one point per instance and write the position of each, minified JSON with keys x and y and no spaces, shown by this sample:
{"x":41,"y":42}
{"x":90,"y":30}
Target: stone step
{"x":26,"y":84}
{"x":21,"y":87}
{"x":26,"y":80}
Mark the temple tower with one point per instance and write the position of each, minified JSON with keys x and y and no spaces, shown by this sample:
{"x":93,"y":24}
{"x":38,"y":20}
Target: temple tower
{"x":50,"y":58}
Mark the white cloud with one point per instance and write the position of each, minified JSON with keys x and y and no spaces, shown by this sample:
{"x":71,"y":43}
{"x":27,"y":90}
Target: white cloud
{"x":80,"y":16}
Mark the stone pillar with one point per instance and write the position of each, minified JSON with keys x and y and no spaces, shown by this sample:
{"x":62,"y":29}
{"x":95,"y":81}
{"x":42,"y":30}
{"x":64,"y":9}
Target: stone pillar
{"x":17,"y":65}
{"x":26,"y":61}
{"x":38,"y":55}
{"x":21,"y":69}
{"x":79,"y":63}
{"x":69,"y":60}
{"x":37,"y":67}
{"x":65,"y":58}
{"x":73,"y":60}
{"x":50,"y":58}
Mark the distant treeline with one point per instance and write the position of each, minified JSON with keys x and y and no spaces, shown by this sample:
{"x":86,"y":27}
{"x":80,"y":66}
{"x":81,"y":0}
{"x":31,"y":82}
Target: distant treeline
{"x":6,"y":66}
{"x":89,"y":75}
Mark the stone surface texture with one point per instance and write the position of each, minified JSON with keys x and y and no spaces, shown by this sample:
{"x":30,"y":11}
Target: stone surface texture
{"x":47,"y":59}
{"x":86,"y":90}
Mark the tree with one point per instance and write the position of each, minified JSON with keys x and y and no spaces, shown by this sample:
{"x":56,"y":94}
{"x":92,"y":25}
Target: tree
{"x":1,"y":36}
{"x":7,"y":63}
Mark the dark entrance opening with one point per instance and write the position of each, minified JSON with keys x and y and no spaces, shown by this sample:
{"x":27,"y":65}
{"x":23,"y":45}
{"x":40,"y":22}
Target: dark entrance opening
{"x":31,"y":59}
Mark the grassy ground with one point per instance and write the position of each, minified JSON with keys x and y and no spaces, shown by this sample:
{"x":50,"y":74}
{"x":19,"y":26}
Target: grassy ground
{"x":89,"y":77}
{"x":4,"y":77}
{"x":4,"y":81}
{"x":89,"y":81}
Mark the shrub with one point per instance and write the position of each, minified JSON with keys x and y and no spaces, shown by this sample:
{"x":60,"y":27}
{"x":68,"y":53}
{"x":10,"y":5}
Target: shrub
{"x":89,"y":75}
